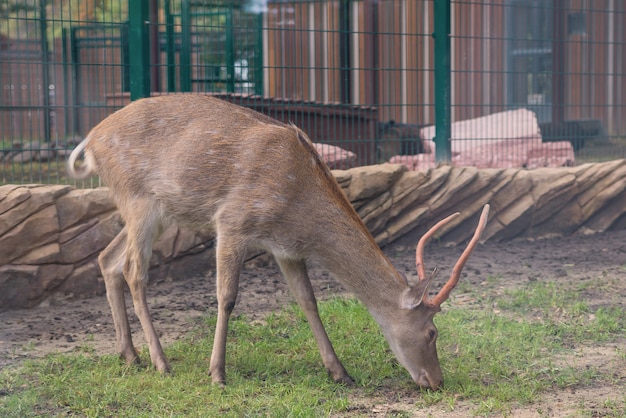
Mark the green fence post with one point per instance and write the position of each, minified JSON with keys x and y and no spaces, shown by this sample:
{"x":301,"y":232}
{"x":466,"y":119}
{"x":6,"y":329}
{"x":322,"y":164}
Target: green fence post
{"x":230,"y":51}
{"x":559,"y":45}
{"x":139,"y":49}
{"x":442,"y":81}
{"x":344,"y":50}
{"x":170,"y":47}
{"x":75,"y":81}
{"x":258,"y":58}
{"x":45,"y":70}
{"x":66,"y":81}
{"x":185,"y":46}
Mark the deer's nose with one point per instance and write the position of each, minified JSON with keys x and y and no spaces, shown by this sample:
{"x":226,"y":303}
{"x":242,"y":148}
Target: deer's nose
{"x":437,"y":385}
{"x":423,"y":381}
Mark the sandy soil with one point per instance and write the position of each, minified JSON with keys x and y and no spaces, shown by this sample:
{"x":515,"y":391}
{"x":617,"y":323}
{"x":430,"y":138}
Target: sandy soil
{"x":178,"y":305}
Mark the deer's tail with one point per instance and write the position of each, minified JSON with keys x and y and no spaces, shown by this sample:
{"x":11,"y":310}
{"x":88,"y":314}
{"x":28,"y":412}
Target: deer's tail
{"x":82,"y":169}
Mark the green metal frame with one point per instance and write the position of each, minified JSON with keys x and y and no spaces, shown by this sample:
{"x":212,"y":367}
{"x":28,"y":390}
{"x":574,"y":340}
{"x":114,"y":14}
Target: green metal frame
{"x":380,"y":49}
{"x":170,"y":47}
{"x":73,"y":45}
{"x":186,"y":16}
{"x":443,"y":121}
{"x":185,"y":51}
{"x":43,"y":28}
{"x":139,"y":49}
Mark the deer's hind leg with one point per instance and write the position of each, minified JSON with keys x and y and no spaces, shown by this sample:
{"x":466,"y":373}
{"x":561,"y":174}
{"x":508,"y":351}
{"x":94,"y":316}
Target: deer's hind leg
{"x":112,"y":260}
{"x":230,"y":253}
{"x":143,"y":226}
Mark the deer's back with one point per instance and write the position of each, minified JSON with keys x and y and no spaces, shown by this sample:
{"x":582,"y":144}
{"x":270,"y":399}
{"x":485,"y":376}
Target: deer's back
{"x":195,"y":155}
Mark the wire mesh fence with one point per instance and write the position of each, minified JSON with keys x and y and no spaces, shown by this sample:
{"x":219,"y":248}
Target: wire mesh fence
{"x":515,"y":83}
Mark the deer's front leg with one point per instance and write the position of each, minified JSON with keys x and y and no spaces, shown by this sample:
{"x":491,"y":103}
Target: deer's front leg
{"x":229,"y":260}
{"x":300,"y":285}
{"x":111,"y":262}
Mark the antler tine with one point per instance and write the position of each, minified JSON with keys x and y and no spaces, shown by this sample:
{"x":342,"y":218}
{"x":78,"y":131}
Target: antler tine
{"x":443,"y":294}
{"x":419,"y":251}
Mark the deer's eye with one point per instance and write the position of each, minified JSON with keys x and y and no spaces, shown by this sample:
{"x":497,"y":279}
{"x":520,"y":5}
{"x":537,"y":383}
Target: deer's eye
{"x":432,"y":334}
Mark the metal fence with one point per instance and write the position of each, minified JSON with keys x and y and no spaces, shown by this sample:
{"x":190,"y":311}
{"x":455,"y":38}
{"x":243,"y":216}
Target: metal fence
{"x":489,"y":83}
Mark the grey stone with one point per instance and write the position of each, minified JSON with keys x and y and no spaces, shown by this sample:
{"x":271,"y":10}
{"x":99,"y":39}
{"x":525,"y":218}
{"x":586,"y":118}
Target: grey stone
{"x":51,"y":236}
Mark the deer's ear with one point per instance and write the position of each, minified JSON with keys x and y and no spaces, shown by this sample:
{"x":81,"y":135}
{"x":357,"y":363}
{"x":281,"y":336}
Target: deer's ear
{"x":412,"y":297}
{"x":402,"y":275}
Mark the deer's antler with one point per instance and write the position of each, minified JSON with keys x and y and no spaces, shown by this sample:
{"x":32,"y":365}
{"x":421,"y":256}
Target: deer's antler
{"x":444,"y":293}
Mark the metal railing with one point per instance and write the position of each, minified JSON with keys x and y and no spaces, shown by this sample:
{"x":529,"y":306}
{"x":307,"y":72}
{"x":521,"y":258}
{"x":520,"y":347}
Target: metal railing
{"x":475,"y":82}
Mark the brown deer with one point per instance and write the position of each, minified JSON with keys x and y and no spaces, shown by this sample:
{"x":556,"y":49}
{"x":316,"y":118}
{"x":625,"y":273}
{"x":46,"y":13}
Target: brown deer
{"x":258,"y":183}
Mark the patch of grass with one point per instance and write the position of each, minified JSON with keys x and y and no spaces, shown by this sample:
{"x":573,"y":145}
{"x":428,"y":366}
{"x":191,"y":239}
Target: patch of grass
{"x":601,"y":149}
{"x":50,"y":171}
{"x":495,"y":361}
{"x":614,"y":408}
{"x":571,"y":319}
{"x":41,"y":172}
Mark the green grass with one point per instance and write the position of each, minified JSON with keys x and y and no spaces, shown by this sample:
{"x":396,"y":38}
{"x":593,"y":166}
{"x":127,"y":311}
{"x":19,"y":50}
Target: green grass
{"x":52,"y":171}
{"x":601,"y":150}
{"x":35,"y":172}
{"x":573,"y":320}
{"x":44,"y":172}
{"x":494,"y":361}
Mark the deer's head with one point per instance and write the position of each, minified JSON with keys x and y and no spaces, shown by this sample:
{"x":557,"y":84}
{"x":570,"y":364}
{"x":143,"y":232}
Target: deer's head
{"x":413,"y":338}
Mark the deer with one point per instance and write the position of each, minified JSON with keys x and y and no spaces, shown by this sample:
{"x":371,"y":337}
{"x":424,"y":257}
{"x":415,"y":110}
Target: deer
{"x":256,"y":183}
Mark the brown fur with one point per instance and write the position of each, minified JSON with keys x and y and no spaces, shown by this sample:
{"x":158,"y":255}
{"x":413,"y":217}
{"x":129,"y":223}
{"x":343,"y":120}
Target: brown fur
{"x":207,"y":164}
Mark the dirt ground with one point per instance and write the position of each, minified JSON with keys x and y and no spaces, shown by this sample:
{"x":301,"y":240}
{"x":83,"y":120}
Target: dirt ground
{"x":178,"y":305}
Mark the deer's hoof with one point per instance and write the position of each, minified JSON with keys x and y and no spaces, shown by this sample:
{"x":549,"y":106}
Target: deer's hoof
{"x":130,"y":357}
{"x":218,"y":379}
{"x":219,"y":384}
{"x":163,"y":367}
{"x":344,"y":379}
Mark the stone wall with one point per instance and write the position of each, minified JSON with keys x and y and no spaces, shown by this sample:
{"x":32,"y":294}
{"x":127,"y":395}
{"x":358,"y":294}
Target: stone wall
{"x":50,"y":236}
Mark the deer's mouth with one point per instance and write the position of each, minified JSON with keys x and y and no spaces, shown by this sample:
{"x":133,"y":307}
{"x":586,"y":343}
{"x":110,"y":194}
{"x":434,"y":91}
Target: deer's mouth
{"x":423,"y":380}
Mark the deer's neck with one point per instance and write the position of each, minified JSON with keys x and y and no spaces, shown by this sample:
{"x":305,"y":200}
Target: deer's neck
{"x":356,"y":261}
